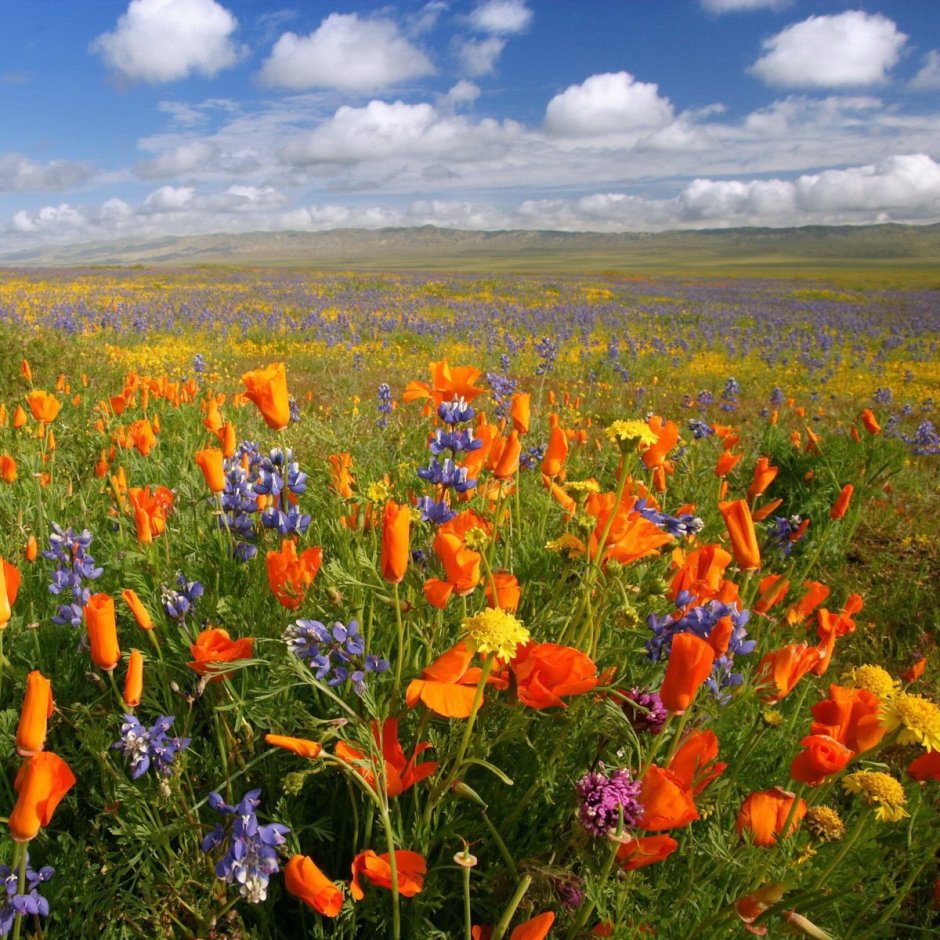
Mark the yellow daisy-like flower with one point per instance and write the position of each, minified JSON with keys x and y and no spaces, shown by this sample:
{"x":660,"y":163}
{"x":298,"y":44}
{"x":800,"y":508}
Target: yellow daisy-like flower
{"x":377,"y":493}
{"x":495,"y":631}
{"x":583,"y":486}
{"x":873,"y":679}
{"x":824,"y":823}
{"x":629,"y":432}
{"x":881,"y":791}
{"x":916,"y":716}
{"x":568,"y":545}
{"x":772,"y":717}
{"x":477,"y":539}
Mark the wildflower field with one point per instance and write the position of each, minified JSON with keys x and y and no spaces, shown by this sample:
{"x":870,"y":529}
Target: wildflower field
{"x":453,"y":606}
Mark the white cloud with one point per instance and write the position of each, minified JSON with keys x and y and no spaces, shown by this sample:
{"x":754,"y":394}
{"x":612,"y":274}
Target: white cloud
{"x":609,"y":103}
{"x":186,"y":158}
{"x":346,"y":52}
{"x":168,"y":199}
{"x":928,"y":78}
{"x":478,"y":56}
{"x":735,"y":6}
{"x":462,"y":93}
{"x":845,"y":50}
{"x":160,"y":41}
{"x":502,"y":17}
{"x":20,"y":174}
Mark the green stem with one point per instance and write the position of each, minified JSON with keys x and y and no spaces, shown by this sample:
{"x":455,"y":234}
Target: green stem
{"x":467,"y":916}
{"x":847,"y":844}
{"x":20,"y":854}
{"x":501,"y":845}
{"x":503,"y":925}
{"x":393,"y":865}
{"x":401,"y":641}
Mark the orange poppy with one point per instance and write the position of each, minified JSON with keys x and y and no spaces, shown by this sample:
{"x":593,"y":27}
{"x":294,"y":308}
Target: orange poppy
{"x":151,"y":510}
{"x":916,"y":671}
{"x":821,"y":757}
{"x":667,"y":436}
{"x":40,"y":784}
{"x":726,"y":463}
{"x":560,"y":496}
{"x":690,"y":664}
{"x":290,"y":575}
{"x":508,"y":592}
{"x":764,"y":813}
{"x":401,"y":773}
{"x":667,"y":802}
{"x":7,"y":468}
{"x":102,"y":631}
{"x":925,"y":767}
{"x":209,"y":462}
{"x":267,"y":388}
{"x":780,"y":670}
{"x":44,"y":407}
{"x":227,"y":439}
{"x":841,"y":505}
{"x":411,"y":869}
{"x":141,"y":615}
{"x":9,"y":588}
{"x":535,"y":929}
{"x":32,"y":549}
{"x":19,"y":417}
{"x":141,"y":434}
{"x":647,"y":850}
{"x":300,"y":746}
{"x":134,"y":680}
{"x":764,"y":475}
{"x":850,"y":716}
{"x":770,"y":592}
{"x":34,"y":715}
{"x":631,"y":536}
{"x":304,"y":880}
{"x":546,"y":672}
{"x":213,"y":420}
{"x":447,"y":384}
{"x":816,"y":593}
{"x":340,"y":475}
{"x":695,"y":763}
{"x":508,"y":464}
{"x":448,"y":685}
{"x":870,"y":422}
{"x":556,"y":453}
{"x":740,"y":526}
{"x":759,"y":515}
{"x":701,"y":573}
{"x":519,"y":412}
{"x":396,"y":527}
{"x":214,"y":647}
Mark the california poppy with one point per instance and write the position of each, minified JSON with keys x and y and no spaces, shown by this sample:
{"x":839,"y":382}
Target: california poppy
{"x":102,"y":631}
{"x":646,"y":850}
{"x":43,"y":406}
{"x":740,"y":525}
{"x":870,"y":422}
{"x":134,"y":680}
{"x":536,"y":928}
{"x":411,"y":869}
{"x":150,"y":510}
{"x":690,"y":664}
{"x":519,"y":412}
{"x":695,"y":763}
{"x":508,"y":464}
{"x":764,"y":475}
{"x":841,"y":505}
{"x":32,"y":548}
{"x":763,"y":815}
{"x":556,"y":453}
{"x":290,"y":574}
{"x":209,"y":462}
{"x":304,"y":880}
{"x":214,"y":648}
{"x":396,"y":526}
{"x":140,"y":612}
{"x":447,"y":384}
{"x":547,"y":672}
{"x":666,"y":800}
{"x":780,"y":670}
{"x":667,"y":435}
{"x":816,"y":593}
{"x":851,"y":716}
{"x":142,"y":434}
{"x":19,"y":417}
{"x":41,"y":783}
{"x":7,"y":468}
{"x":770,"y":592}
{"x":9,"y":588}
{"x":508,"y":593}
{"x":300,"y":746}
{"x":701,"y":573}
{"x":925,"y":767}
{"x":227,"y":439}
{"x":34,"y":715}
{"x":267,"y":388}
{"x":821,"y":757}
{"x":726,"y":463}
{"x":340,"y":475}
{"x":448,"y":685}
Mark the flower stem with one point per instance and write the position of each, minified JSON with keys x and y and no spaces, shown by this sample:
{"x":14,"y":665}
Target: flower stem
{"x":503,"y":925}
{"x":20,"y":855}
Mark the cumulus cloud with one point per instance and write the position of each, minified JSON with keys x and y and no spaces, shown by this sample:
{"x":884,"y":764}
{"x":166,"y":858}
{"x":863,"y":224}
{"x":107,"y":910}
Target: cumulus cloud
{"x":462,"y":93}
{"x":346,"y":52}
{"x":186,"y":158}
{"x":478,"y":56}
{"x":928,"y":78}
{"x":845,"y":50}
{"x":607,"y":104}
{"x":20,"y":174}
{"x":160,"y":41}
{"x":501,"y":17}
{"x":735,"y":6}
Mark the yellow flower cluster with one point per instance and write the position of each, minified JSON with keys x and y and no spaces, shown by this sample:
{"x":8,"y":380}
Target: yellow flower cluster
{"x":879,"y":790}
{"x":917,"y":718}
{"x":496,"y":631}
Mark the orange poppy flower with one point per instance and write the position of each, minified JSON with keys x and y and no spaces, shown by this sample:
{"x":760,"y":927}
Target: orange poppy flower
{"x":34,"y":715}
{"x":556,"y":453}
{"x":150,"y":509}
{"x":32,"y":549}
{"x":411,"y":869}
{"x":227,"y":439}
{"x":869,"y":420}
{"x":396,"y":527}
{"x":209,"y":462}
{"x":7,"y":468}
{"x":508,"y":464}
{"x":631,"y":536}
{"x":821,"y":757}
{"x":9,"y":588}
{"x":764,"y":475}
{"x":759,"y":515}
{"x":300,"y":746}
{"x":447,"y":384}
{"x":44,"y":407}
{"x":214,"y":648}
{"x":141,"y":434}
{"x":695,"y":763}
{"x":401,"y":773}
{"x":340,"y":475}
{"x":141,"y":615}
{"x":726,"y":463}
{"x":701,"y":573}
{"x":213,"y":420}
{"x":816,"y":593}
{"x":508,"y":592}
{"x":134,"y":680}
{"x":41,"y":784}
{"x":690,"y":664}
{"x":647,"y":850}
{"x":519,"y":412}
{"x":667,"y":433}
{"x":560,"y":496}
{"x":26,"y":371}
{"x":915,"y":671}
{"x":850,"y":716}
{"x":740,"y":526}
{"x":449,"y":684}
{"x":780,"y":670}
{"x":546,"y":672}
{"x":535,"y":929}
{"x":290,"y":575}
{"x":462,"y":568}
{"x":925,"y":767}
{"x":19,"y":417}
{"x":667,"y":802}
{"x":764,"y":813}
{"x":267,"y":388}
{"x":304,"y":880}
{"x":102,"y":631}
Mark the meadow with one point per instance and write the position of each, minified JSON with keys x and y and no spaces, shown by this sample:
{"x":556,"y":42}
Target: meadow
{"x":428,"y":605}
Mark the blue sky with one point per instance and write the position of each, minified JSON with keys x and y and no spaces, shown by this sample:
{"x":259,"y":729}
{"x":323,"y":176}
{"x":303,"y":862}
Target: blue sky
{"x":122,"y":118}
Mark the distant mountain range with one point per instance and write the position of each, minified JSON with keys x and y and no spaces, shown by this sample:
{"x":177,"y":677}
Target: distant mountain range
{"x":431,"y":248}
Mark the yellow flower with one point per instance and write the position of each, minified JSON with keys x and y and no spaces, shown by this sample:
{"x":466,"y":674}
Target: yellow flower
{"x":568,"y":545}
{"x":477,"y":539}
{"x":873,"y":679}
{"x":916,"y":716}
{"x":495,"y":631}
{"x":583,"y":486}
{"x":824,"y":823}
{"x":629,"y":432}
{"x":879,"y":790}
{"x":377,"y":493}
{"x":772,"y":717}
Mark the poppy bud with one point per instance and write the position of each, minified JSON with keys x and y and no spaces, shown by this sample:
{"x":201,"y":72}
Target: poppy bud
{"x":34,"y":714}
{"x":134,"y":681}
{"x":41,"y":784}
{"x":209,"y":462}
{"x":102,"y":631}
{"x":396,"y":525}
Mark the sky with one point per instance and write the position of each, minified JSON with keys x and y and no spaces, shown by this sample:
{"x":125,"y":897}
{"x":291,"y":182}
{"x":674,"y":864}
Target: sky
{"x":172,"y":117}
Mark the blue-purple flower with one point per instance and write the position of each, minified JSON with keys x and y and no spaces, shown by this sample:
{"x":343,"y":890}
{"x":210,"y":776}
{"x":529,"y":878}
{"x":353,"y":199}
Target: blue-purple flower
{"x":603,"y":800}
{"x":145,"y":745}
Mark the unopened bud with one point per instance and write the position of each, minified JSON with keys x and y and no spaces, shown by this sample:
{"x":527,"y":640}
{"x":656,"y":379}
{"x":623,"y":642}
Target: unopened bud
{"x":459,"y":788}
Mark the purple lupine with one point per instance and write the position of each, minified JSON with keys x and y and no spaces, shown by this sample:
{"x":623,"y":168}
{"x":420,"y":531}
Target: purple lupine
{"x":145,"y":745}
{"x":20,"y":905}
{"x":74,"y":566}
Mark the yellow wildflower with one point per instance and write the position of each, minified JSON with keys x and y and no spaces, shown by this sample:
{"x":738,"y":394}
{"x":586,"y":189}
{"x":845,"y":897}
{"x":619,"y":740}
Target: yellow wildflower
{"x":873,"y":679}
{"x":916,"y":716}
{"x":879,"y":790}
{"x":630,"y":432}
{"x":495,"y":631}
